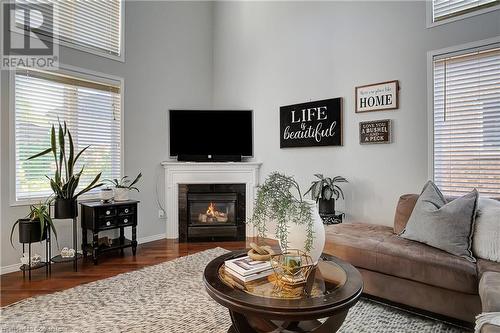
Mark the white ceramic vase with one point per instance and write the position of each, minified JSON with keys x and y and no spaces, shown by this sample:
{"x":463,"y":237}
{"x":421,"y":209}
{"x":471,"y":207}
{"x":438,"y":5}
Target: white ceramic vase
{"x":121,"y":194}
{"x":297,"y":234}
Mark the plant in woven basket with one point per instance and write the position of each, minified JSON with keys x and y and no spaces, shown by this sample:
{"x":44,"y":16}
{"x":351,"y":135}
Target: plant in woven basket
{"x":277,"y":202}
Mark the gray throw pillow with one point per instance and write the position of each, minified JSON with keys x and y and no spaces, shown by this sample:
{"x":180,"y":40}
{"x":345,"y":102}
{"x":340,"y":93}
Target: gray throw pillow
{"x":444,"y":225}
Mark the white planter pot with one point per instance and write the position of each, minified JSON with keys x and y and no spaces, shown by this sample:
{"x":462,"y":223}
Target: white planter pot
{"x":121,"y":194}
{"x":297,"y":234}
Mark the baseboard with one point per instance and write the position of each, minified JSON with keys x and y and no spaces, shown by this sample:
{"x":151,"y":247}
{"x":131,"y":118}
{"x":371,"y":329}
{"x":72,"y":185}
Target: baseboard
{"x":152,"y":238}
{"x":9,"y":268}
{"x":15,"y":267}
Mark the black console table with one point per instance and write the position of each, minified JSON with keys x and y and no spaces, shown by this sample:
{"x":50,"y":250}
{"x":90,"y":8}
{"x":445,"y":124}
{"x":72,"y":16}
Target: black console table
{"x":97,"y":216}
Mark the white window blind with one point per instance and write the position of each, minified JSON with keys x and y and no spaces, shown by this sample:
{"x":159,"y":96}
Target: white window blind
{"x":467,"y":123}
{"x":93,"y":24}
{"x":92,"y":112}
{"x":443,"y":9}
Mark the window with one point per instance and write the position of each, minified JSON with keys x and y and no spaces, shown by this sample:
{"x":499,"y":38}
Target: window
{"x":467,"y":122}
{"x":92,"y":110}
{"x":94,"y":25}
{"x":445,"y":9}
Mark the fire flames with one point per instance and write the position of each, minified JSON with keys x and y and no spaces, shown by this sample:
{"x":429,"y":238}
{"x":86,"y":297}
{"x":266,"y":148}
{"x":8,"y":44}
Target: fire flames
{"x":211,"y":211}
{"x":212,"y":215}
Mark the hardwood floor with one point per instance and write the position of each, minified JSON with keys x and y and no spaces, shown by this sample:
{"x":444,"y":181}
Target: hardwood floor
{"x":13,"y":288}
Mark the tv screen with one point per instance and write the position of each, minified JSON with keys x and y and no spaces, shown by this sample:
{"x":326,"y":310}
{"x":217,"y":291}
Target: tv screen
{"x":211,"y":132}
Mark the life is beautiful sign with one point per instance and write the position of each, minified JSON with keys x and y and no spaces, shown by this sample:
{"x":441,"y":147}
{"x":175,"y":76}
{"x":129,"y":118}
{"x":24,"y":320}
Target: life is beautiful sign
{"x":377,"y":97}
{"x":310,"y":124}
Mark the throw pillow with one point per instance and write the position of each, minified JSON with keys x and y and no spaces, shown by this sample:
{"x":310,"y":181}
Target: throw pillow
{"x":444,"y":225}
{"x":486,"y":239}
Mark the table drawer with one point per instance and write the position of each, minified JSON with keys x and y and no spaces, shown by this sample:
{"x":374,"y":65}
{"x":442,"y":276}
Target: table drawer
{"x":126,"y":220}
{"x":106,"y":223}
{"x":106,"y":212}
{"x":124,"y":210}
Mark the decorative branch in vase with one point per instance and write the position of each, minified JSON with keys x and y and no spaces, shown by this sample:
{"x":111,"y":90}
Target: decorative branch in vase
{"x":298,"y":224}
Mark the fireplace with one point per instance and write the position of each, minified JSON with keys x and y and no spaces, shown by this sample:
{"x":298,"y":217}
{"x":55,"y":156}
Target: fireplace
{"x":211,"y":212}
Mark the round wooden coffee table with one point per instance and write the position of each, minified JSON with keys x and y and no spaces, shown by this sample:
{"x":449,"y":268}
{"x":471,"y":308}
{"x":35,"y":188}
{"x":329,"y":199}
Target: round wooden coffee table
{"x":334,"y":286}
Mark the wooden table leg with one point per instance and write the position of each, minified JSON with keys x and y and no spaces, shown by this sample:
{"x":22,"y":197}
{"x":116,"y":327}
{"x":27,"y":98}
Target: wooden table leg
{"x":245,"y":324}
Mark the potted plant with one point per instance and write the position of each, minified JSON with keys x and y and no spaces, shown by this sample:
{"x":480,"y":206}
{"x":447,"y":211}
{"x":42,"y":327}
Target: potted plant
{"x":123,"y":186}
{"x":34,"y":226}
{"x":65,"y":180}
{"x":298,"y":224}
{"x":324,"y":191}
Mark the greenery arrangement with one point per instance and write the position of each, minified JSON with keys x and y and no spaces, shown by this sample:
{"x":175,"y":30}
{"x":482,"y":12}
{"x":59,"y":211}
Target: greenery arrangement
{"x":125,"y":182}
{"x":66,"y":181}
{"x":276,"y":202}
{"x":38,"y":212}
{"x":325,"y":188}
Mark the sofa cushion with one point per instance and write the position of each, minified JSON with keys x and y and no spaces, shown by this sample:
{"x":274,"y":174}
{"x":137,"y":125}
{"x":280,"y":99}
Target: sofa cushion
{"x":377,"y":248}
{"x":486,"y":238}
{"x":403,"y":211}
{"x":484,"y":266}
{"x":489,"y":291}
{"x":488,"y":328}
{"x":445,"y":225}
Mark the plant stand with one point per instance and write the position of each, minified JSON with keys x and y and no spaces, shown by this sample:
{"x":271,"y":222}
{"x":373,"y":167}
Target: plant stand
{"x":28,"y":268}
{"x":329,"y":219}
{"x":59,"y":259}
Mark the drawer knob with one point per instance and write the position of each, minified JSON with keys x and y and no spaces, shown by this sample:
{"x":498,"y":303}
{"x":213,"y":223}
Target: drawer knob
{"x":126,"y":210}
{"x":108,"y":223}
{"x":108,"y":212}
{"x":125,"y":220}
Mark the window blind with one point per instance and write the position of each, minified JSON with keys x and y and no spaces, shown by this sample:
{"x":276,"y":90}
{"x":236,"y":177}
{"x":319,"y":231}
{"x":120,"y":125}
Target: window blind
{"x":94,"y":24}
{"x":443,"y":9}
{"x":467,"y":123}
{"x":92,"y":112}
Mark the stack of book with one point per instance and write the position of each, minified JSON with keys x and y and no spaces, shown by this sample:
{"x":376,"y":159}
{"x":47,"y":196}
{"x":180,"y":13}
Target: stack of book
{"x":244,"y":269}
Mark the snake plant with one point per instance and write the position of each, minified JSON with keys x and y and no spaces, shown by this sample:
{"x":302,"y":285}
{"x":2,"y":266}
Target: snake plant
{"x":65,"y":180}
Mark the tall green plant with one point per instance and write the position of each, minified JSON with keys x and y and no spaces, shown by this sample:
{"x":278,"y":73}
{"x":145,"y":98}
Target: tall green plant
{"x":325,"y":188}
{"x":65,"y":180}
{"x":276,"y":202}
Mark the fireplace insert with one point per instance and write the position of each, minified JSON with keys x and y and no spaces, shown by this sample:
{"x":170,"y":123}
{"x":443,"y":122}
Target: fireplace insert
{"x":211,"y":212}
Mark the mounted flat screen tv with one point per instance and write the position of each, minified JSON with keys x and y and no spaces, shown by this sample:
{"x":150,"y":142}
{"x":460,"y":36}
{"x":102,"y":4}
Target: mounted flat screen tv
{"x":211,"y":135}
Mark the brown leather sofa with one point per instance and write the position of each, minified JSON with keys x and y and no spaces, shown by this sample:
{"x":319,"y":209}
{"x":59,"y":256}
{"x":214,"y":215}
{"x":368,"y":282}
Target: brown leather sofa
{"x":408,"y":272}
{"x":489,"y":290}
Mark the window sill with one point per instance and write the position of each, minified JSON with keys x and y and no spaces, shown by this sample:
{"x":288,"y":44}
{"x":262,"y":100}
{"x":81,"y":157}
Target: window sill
{"x":431,"y":24}
{"x":33,"y":201}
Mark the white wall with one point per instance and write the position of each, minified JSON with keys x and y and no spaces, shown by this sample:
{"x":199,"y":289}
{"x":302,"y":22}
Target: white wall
{"x":269,"y":54}
{"x":168,"y":53}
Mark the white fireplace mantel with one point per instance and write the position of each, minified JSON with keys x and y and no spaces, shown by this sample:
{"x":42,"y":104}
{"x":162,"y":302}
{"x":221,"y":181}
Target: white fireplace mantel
{"x":207,"y":173}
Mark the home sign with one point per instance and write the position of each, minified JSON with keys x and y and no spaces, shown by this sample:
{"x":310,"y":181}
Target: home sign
{"x":311,"y":124}
{"x":377,"y":97}
{"x":378,"y":131}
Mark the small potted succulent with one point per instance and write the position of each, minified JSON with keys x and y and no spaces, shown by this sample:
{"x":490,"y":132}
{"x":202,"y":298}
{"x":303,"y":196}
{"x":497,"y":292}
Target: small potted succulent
{"x":324,"y":191}
{"x":123,"y":186}
{"x":65,"y":181}
{"x":33,"y":227}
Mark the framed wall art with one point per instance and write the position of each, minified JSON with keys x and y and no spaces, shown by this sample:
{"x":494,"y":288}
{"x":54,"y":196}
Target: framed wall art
{"x":377,"y":97}
{"x":377,"y":131}
{"x":310,"y":124}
